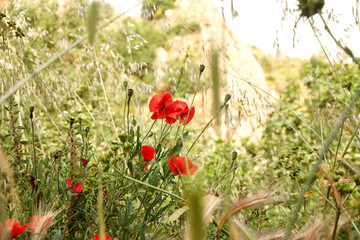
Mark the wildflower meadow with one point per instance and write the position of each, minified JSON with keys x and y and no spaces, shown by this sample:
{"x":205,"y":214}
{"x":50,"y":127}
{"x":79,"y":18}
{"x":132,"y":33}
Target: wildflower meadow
{"x":101,"y":139}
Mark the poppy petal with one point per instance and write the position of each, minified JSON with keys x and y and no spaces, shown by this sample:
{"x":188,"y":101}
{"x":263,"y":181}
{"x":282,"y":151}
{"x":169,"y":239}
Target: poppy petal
{"x":185,"y":119}
{"x":181,"y":165}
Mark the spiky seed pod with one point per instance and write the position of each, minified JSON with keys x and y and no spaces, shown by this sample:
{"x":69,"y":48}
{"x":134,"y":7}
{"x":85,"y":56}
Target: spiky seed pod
{"x":309,"y":8}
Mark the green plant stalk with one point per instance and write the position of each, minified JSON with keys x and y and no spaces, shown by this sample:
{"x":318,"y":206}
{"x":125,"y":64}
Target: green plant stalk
{"x":196,"y":216}
{"x":324,"y":150}
{"x":351,"y":139}
{"x":327,"y":197}
{"x":338,"y":145}
{"x":148,"y":185}
{"x":347,"y":197}
{"x":328,"y":59}
{"x":101,"y":213}
{"x":345,"y":49}
{"x":127,"y":116}
{"x":34,"y":151}
{"x":108,"y":105}
{"x":152,"y":125}
{"x":338,"y":212}
{"x":202,"y":131}
{"x":192,"y":102}
{"x":45,"y":65}
{"x":124,"y":120}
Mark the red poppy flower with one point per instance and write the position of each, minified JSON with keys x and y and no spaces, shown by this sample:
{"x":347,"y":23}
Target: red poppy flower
{"x":180,"y":166}
{"x":179,"y":110}
{"x":147,"y":152}
{"x":13,"y":227}
{"x":159,"y":104}
{"x":38,"y":221}
{"x":84,"y":162}
{"x":97,"y":237}
{"x":77,"y":188}
{"x":184,"y":118}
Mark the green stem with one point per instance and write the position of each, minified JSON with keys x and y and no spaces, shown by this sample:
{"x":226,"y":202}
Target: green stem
{"x":323,"y":152}
{"x":207,"y":125}
{"x":33,"y":143}
{"x":128,"y":112}
{"x":337,"y":148}
{"x":152,"y":125}
{"x":351,"y":139}
{"x":345,"y":49}
{"x":148,"y":185}
{"x":336,"y":224}
{"x":124,"y":120}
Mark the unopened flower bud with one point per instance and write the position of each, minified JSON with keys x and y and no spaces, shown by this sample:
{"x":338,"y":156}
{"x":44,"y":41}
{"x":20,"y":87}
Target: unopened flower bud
{"x":125,"y":84}
{"x":202,"y":68}
{"x":227,"y":98}
{"x":234,"y":155}
{"x":123,"y":137}
{"x":130,"y":92}
{"x":31,"y":112}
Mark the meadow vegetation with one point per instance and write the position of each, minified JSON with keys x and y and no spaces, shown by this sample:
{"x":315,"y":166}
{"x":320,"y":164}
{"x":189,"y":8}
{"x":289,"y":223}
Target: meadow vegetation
{"x":90,"y":149}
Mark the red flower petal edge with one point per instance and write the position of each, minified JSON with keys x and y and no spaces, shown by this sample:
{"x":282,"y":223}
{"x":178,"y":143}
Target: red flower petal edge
{"x":147,"y":152}
{"x":97,"y":237}
{"x":178,"y":166}
{"x":14,"y":228}
{"x":76,"y":188}
{"x":84,"y":162}
{"x":159,"y":104}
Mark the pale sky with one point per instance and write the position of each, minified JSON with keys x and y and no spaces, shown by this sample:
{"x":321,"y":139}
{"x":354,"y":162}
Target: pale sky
{"x":259,"y":23}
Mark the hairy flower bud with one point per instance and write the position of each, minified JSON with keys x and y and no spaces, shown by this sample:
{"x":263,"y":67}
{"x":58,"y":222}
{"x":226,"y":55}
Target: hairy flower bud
{"x":125,"y":83}
{"x":202,"y":68}
{"x":227,"y":98}
{"x":31,"y":112}
{"x":234,"y":155}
